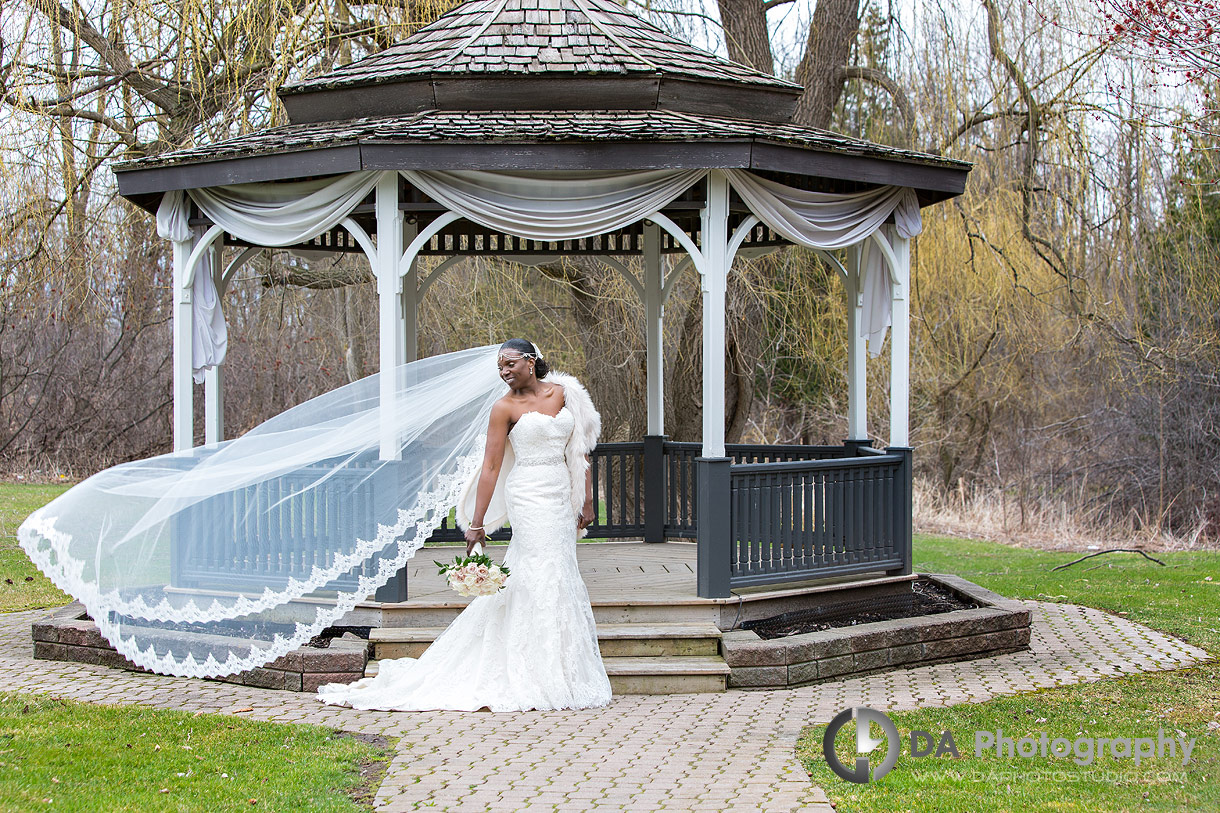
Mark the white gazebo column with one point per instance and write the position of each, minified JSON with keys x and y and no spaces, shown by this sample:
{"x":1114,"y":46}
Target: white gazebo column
{"x":392,"y":342}
{"x":857,"y":370}
{"x":213,"y":377}
{"x":213,"y":405}
{"x":714,"y":280}
{"x":900,"y":397}
{"x":654,"y":314}
{"x":713,"y":470}
{"x":900,"y":342}
{"x":184,"y":326}
{"x":392,"y":335}
{"x":655,"y":498}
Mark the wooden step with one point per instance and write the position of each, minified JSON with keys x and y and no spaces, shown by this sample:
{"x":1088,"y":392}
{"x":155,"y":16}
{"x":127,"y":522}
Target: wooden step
{"x":438,"y":614}
{"x":668,"y":674}
{"x":615,"y":640}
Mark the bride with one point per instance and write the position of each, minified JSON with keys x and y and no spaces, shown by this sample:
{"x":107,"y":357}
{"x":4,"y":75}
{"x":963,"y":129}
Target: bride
{"x":534,"y":644}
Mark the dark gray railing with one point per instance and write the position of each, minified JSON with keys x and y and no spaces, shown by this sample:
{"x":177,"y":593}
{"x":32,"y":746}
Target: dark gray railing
{"x":681,"y":502}
{"x":618,"y":477}
{"x":680,"y":474}
{"x":811,"y":519}
{"x":766,"y":514}
{"x":618,"y":481}
{"x":249,"y":537}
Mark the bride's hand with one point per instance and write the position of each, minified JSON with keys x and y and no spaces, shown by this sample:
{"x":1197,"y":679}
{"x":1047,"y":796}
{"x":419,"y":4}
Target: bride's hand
{"x":587,"y":516}
{"x":475,"y":537}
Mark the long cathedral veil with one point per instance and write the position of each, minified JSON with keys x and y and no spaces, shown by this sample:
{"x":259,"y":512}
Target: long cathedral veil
{"x":224,"y":558}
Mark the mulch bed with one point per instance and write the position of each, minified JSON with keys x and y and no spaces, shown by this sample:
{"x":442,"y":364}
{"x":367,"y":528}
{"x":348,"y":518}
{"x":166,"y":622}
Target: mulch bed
{"x":926,"y":598}
{"x":329,"y":634}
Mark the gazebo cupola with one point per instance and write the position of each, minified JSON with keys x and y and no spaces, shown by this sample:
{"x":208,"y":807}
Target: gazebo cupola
{"x":530,"y":129}
{"x":535,"y":55}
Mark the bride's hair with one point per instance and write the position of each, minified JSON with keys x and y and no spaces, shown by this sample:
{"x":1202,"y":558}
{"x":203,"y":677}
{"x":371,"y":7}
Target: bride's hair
{"x":525,"y":348}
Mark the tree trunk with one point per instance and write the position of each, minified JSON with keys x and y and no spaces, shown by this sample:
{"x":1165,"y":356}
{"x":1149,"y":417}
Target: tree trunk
{"x":745,"y":33}
{"x":832,"y":31}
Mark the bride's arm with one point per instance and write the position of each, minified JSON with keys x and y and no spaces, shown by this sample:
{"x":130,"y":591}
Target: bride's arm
{"x":588,"y":513}
{"x":493,"y":458}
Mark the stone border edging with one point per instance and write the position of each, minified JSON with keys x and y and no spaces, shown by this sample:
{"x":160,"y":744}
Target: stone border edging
{"x":69,"y":635}
{"x":999,"y":626}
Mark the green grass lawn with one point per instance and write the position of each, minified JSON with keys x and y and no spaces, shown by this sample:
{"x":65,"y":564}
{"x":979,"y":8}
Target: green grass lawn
{"x":22,"y":586}
{"x":287,"y":767}
{"x":1178,"y":599}
{"x":59,"y":755}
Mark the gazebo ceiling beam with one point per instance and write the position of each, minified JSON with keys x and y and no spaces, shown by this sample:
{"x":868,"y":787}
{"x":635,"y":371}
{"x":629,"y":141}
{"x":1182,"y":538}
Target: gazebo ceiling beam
{"x":892,"y":263}
{"x":201,"y":247}
{"x":684,"y":240}
{"x":626,"y":273}
{"x":441,"y":268}
{"x":367,"y":246}
{"x":459,"y":236}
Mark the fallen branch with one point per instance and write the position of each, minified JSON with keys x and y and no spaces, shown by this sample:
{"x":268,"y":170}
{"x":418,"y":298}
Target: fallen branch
{"x":1112,"y":550}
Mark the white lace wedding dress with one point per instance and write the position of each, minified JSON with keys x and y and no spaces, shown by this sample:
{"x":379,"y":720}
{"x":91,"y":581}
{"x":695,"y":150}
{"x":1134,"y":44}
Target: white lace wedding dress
{"x":534,"y":644}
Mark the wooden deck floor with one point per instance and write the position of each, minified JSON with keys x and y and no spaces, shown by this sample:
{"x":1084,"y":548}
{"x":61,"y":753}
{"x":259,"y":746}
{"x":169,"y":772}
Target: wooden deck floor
{"x":613,"y":572}
{"x":631,"y":581}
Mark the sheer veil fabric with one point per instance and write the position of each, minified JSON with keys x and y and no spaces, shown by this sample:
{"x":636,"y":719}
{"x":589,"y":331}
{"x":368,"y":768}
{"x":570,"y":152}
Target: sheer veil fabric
{"x":224,"y":558}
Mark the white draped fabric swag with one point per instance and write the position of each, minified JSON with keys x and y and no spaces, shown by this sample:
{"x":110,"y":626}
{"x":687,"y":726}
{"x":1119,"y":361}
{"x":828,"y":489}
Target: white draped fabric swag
{"x":541,"y":205}
{"x":826,"y":221}
{"x":263,"y":214}
{"x":210,"y":333}
{"x":554,"y":205}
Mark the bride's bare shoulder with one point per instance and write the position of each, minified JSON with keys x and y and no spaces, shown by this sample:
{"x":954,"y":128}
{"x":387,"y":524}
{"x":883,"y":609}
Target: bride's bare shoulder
{"x":502,"y":411}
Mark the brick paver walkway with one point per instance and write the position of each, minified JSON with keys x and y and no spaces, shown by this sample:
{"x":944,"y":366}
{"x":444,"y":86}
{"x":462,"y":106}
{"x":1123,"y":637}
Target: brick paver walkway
{"x":731,"y":751}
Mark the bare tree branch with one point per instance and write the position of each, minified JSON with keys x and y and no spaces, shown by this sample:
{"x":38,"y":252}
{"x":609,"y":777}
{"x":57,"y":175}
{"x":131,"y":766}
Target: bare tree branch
{"x":885,"y":81}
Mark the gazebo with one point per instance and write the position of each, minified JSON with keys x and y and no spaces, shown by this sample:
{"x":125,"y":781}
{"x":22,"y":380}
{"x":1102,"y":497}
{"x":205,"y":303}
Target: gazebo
{"x":532,"y":129}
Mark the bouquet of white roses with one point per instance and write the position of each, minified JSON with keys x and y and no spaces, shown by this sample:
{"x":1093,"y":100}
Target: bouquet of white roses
{"x":474,"y":575}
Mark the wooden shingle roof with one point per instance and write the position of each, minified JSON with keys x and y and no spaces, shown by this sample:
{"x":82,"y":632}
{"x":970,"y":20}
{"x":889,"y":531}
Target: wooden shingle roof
{"x":540,"y":55}
{"x":539,"y":37}
{"x":539,"y":84}
{"x":521,"y":127}
{"x":595,"y":139}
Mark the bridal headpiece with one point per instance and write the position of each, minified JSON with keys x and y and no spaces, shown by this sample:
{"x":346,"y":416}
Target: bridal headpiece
{"x":521,"y":354}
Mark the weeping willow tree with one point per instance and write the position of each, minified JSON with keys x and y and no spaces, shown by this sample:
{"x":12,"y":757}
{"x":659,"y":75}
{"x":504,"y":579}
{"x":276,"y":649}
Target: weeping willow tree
{"x":82,"y":312}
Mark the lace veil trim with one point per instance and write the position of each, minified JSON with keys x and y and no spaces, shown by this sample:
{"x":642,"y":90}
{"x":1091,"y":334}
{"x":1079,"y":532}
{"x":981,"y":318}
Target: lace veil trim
{"x":272,"y":521}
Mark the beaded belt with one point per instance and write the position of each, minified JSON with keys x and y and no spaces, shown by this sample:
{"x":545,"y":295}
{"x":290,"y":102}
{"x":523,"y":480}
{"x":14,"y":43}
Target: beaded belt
{"x":545,"y":460}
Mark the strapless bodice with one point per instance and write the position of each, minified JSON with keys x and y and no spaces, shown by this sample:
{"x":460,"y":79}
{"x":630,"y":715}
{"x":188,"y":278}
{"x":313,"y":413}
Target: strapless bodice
{"x":540,"y":439}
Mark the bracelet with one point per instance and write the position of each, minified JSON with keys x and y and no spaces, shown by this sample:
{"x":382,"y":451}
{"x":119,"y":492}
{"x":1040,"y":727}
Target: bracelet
{"x":474,"y":527}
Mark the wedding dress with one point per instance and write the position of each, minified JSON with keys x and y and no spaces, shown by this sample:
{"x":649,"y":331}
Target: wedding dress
{"x":533,"y":645}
